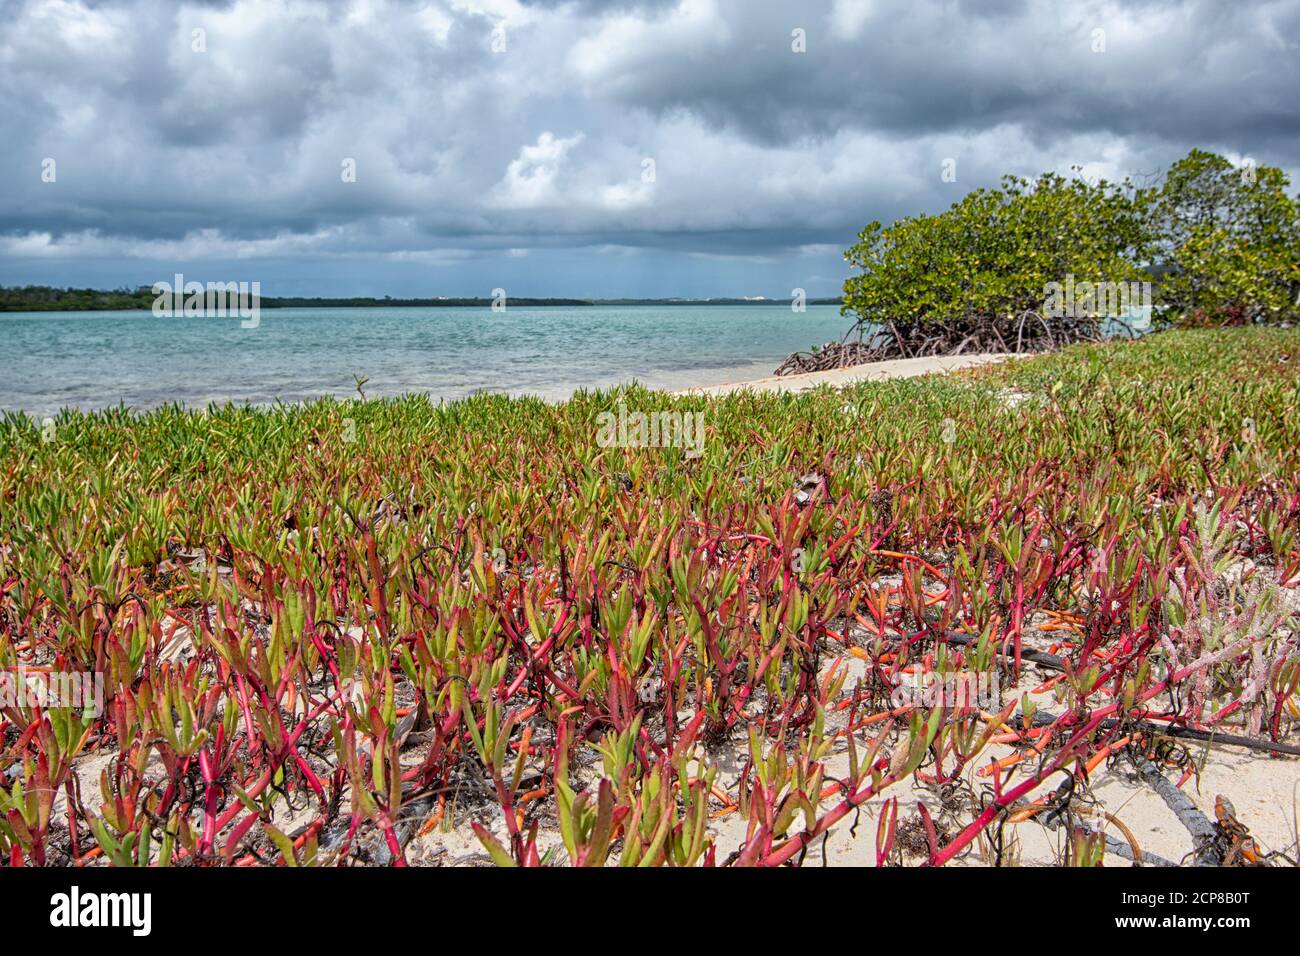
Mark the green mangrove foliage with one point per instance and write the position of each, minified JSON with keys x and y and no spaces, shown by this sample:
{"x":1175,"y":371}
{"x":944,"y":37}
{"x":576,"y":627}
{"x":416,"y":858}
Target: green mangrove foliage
{"x":1229,"y":240}
{"x":1211,"y":244}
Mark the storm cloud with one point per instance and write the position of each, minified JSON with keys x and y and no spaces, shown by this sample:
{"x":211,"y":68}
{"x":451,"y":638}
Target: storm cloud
{"x":701,"y":147}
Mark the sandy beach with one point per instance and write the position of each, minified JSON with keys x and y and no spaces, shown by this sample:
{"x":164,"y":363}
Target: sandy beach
{"x":871,"y":372}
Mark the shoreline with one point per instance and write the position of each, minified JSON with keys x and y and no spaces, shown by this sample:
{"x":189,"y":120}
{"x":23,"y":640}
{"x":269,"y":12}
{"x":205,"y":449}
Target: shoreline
{"x":673,"y":383}
{"x":302,"y":355}
{"x":869,"y":372}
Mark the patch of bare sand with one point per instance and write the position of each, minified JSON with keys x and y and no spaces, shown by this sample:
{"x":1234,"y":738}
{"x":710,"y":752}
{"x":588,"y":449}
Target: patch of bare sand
{"x":870,"y":372}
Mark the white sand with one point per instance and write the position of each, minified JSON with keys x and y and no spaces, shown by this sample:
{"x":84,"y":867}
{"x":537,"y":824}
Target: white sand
{"x":871,"y":372}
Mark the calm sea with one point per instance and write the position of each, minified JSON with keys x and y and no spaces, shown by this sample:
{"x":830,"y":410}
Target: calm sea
{"x":91,"y":360}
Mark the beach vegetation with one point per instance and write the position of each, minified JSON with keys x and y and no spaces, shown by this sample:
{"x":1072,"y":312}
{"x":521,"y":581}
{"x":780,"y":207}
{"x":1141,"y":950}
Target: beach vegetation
{"x":348,"y":632}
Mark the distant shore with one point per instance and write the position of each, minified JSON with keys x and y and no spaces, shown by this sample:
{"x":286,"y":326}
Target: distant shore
{"x":48,"y":299}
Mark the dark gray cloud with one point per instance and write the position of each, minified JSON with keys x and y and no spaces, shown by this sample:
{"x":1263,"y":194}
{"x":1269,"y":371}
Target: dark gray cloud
{"x":502,"y":140}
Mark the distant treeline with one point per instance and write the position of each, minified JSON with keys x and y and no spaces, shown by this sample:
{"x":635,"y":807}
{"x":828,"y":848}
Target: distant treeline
{"x":39,"y":298}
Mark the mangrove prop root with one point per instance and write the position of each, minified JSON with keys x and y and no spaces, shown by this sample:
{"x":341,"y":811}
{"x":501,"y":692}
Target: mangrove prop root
{"x":900,"y":339}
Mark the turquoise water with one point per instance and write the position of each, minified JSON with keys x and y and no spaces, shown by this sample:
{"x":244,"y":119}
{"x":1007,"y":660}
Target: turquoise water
{"x":91,"y":360}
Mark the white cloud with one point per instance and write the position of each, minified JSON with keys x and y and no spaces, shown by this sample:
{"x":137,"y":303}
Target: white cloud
{"x":436,"y":20}
{"x":848,"y":17}
{"x":529,"y":181}
{"x":622,"y":44}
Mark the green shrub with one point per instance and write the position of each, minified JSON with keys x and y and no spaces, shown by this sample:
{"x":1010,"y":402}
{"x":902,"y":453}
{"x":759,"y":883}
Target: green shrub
{"x":1229,"y":239}
{"x":1219,"y":244}
{"x":978,"y":273}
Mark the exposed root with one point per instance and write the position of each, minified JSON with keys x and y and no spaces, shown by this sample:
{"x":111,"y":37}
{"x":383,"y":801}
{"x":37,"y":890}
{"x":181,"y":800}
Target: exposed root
{"x":1015,"y":334}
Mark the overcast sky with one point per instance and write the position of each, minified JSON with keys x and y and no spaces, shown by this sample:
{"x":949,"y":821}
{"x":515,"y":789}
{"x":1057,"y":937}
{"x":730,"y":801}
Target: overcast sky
{"x":583,"y":148}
